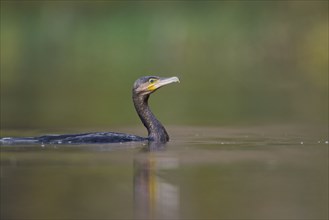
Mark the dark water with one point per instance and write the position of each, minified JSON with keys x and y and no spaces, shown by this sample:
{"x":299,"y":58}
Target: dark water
{"x":203,"y":173}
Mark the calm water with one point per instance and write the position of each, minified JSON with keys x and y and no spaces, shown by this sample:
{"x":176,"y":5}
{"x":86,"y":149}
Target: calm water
{"x":203,"y":173}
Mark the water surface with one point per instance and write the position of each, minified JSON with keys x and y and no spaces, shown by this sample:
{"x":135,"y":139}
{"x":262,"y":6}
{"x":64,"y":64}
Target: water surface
{"x":202,"y":173}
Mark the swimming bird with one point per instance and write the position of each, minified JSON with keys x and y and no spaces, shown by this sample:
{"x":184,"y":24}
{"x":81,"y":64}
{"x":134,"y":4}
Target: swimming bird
{"x":142,"y":89}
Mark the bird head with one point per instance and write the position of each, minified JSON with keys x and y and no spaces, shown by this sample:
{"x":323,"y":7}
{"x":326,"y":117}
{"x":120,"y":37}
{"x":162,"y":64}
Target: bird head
{"x":149,"y":84}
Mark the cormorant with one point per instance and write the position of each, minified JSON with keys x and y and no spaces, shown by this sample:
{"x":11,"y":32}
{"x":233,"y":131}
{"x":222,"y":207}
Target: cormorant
{"x":142,"y":89}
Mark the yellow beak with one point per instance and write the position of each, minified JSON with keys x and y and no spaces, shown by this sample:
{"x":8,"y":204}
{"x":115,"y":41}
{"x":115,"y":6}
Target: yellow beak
{"x":162,"y":82}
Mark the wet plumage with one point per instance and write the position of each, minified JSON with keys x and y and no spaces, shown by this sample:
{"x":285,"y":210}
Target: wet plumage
{"x":142,"y":89}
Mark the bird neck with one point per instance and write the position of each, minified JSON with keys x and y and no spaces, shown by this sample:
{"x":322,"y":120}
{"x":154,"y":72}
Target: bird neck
{"x":156,"y":131}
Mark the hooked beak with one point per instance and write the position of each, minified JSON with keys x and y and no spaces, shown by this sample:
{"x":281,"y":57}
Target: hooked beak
{"x":162,"y":82}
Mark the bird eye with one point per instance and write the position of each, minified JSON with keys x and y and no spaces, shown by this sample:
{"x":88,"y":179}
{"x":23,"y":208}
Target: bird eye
{"x":152,"y":80}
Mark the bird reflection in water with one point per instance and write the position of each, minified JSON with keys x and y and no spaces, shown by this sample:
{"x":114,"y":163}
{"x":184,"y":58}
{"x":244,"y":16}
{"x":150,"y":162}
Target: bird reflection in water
{"x":154,"y":197}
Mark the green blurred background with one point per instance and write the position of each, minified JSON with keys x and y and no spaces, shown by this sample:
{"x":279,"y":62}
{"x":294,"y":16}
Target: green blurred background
{"x":71,"y":64}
